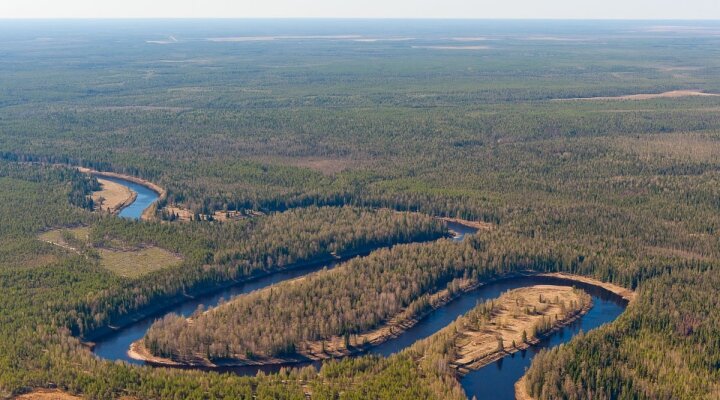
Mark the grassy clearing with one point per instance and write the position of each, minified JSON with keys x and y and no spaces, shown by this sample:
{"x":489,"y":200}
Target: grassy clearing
{"x":126,"y":262}
{"x":69,"y":238}
{"x":136,"y":263}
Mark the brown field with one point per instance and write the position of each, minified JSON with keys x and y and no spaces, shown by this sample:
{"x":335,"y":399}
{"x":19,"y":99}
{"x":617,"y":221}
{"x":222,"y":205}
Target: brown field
{"x":112,"y":197}
{"x":647,"y":96}
{"x":127,"y":262}
{"x":46,"y":394}
{"x":137,"y":262}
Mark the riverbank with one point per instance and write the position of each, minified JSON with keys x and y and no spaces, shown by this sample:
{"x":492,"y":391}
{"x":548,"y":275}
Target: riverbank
{"x":521,"y":392}
{"x":627,"y":294}
{"x":520,"y":318}
{"x":335,"y":347}
{"x":149,"y":213}
{"x":112,"y":197}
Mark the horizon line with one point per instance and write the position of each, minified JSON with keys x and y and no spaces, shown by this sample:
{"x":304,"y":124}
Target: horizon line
{"x":122,"y":18}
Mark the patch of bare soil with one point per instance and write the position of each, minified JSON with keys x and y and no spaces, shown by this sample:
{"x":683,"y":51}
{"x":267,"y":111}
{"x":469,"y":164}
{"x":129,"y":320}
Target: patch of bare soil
{"x":647,"y":96}
{"x":47,"y":394}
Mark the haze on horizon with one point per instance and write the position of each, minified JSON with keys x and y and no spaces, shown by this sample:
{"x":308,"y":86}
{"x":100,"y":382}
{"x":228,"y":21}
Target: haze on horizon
{"x":449,"y":9}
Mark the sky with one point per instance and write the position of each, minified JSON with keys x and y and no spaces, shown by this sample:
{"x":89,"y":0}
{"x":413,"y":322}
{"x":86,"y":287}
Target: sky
{"x":481,"y":9}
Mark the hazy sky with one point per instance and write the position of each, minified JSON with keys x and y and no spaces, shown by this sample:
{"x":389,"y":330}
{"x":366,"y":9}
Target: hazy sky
{"x":594,"y":9}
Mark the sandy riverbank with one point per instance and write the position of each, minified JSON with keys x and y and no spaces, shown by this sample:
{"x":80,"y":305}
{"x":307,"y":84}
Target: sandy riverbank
{"x":520,"y":391}
{"x":514,"y":319}
{"x":112,"y":197}
{"x":623,"y":292}
{"x":149,"y":213}
{"x":333,"y":347}
{"x":627,"y":294}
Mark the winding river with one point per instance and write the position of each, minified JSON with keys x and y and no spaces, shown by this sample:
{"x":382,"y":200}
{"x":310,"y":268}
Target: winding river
{"x":145,"y":198}
{"x":495,"y":380}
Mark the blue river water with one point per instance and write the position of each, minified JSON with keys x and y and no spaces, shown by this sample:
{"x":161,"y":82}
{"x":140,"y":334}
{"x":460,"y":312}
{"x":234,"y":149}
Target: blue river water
{"x":145,"y":198}
{"x":494,"y":381}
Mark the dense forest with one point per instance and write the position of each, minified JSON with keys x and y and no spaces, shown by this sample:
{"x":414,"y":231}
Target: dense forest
{"x":323,"y":141}
{"x":348,"y":300}
{"x":217,"y":254}
{"x":667,"y":342}
{"x":48,"y":291}
{"x":351,"y":299}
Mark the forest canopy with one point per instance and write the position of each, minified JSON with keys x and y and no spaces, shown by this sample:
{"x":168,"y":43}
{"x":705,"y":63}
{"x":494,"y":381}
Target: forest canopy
{"x":324,"y":148}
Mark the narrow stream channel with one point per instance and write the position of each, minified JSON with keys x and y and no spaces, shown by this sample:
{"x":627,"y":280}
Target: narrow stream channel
{"x":494,"y":381}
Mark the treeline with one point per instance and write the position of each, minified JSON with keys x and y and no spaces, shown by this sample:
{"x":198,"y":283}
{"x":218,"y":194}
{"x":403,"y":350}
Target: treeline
{"x":46,"y":192}
{"x":665,"y":346}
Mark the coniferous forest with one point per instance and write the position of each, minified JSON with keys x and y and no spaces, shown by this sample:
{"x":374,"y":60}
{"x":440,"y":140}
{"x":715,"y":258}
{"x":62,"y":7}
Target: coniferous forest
{"x":341,"y":145}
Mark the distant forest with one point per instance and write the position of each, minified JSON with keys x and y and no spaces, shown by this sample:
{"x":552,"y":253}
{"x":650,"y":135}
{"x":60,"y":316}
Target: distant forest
{"x":332,"y":147}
